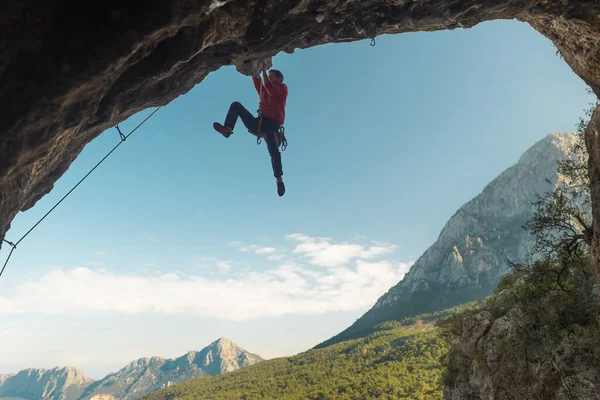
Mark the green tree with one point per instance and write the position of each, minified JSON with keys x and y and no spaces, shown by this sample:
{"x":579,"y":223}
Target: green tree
{"x":562,"y":221}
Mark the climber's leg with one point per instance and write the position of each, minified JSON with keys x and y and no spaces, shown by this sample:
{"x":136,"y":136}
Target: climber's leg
{"x":270,"y":127}
{"x":274,"y":153}
{"x":237,"y":110}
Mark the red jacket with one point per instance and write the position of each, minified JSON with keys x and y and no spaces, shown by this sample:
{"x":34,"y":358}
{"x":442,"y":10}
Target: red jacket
{"x":273,"y":99}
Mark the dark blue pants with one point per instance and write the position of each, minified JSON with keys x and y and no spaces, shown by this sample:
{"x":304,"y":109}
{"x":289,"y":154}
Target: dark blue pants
{"x":268,"y":129}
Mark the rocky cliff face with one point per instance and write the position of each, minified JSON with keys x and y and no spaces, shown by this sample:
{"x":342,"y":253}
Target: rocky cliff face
{"x":525,"y":344}
{"x":52,"y":384}
{"x":483,"y":366}
{"x":71,"y":70}
{"x":138,"y":378}
{"x":469,"y":257}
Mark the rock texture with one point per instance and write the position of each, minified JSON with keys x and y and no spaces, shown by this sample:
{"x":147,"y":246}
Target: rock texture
{"x":491,"y":361}
{"x":52,"y":384}
{"x":71,"y":70}
{"x":592,"y":139}
{"x":138,"y":378}
{"x":469,"y":257}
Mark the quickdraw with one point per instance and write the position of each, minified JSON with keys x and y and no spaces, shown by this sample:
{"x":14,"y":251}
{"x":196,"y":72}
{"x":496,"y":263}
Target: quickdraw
{"x":281,"y":138}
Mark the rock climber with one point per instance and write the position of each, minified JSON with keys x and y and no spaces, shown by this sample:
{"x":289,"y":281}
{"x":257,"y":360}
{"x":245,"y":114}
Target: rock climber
{"x":271,"y":116}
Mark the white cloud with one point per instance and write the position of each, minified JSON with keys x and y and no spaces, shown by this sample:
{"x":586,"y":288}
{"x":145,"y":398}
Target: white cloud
{"x":265,"y":250}
{"x":338,"y":277}
{"x":320,"y":251}
{"x":288,"y":289}
{"x":258,"y":249}
{"x":223,"y":266}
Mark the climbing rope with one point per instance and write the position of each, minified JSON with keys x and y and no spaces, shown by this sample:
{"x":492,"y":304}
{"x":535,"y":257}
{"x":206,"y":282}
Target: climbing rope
{"x":123,"y":138}
{"x":258,"y":141}
{"x":13,"y":247}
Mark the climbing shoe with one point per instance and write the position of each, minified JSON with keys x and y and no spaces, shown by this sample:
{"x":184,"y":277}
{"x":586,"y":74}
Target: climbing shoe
{"x":223,"y":130}
{"x":280,"y":188}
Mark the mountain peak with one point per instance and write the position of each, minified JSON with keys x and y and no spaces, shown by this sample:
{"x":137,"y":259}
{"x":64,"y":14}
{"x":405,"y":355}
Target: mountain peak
{"x":557,"y":143}
{"x":223,"y":342}
{"x":223,"y":355}
{"x":469,"y":256}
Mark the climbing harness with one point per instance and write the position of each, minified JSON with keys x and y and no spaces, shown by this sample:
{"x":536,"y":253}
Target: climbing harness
{"x":123,"y":138}
{"x":280,"y":138}
{"x":279,"y":135}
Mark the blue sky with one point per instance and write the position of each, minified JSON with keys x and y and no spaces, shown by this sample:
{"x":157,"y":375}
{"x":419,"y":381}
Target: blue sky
{"x":180,"y":238}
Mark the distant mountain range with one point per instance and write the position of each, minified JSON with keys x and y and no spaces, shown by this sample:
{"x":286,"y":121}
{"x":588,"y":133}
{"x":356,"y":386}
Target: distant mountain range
{"x":138,"y":378}
{"x":401,"y":361}
{"x":470,"y":255}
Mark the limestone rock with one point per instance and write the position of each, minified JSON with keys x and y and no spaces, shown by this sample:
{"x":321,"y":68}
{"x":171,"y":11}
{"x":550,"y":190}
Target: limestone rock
{"x":490,"y":362}
{"x":254,"y":67}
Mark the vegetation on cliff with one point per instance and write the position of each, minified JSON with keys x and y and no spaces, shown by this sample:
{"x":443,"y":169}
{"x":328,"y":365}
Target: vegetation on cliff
{"x":538,"y":335}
